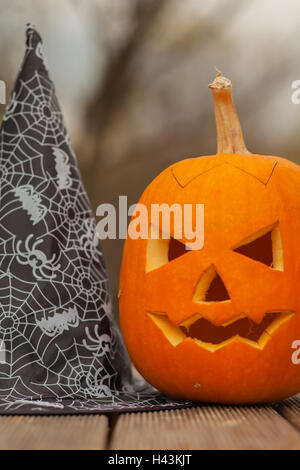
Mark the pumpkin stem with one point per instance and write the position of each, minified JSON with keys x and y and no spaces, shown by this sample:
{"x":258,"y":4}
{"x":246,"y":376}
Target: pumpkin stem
{"x":229,"y":133}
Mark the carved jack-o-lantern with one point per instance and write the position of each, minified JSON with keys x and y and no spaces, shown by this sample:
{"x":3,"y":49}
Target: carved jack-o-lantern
{"x":218,"y":324}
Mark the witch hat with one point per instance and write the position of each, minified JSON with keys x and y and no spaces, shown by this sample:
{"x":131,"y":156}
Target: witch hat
{"x":59,"y":348}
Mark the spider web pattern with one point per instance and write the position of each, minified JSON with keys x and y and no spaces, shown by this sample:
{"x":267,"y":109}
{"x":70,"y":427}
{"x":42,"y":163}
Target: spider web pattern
{"x":145,"y":400}
{"x":63,"y":352}
{"x":53,"y":284}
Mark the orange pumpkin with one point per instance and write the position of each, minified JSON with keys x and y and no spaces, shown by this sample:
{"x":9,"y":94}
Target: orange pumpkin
{"x":218,"y":324}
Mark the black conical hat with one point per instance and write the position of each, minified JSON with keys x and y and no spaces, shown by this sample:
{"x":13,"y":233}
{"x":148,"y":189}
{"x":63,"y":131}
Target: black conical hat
{"x":59,"y":348}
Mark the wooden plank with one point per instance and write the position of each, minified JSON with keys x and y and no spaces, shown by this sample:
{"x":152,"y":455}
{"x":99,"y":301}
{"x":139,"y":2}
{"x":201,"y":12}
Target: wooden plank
{"x":290,"y":409}
{"x":207,"y":427}
{"x":53,"y":432}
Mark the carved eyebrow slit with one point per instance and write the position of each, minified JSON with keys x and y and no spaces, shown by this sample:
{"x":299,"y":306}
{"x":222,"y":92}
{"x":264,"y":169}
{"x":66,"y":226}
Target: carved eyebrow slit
{"x":264,"y":246}
{"x":161,"y":251}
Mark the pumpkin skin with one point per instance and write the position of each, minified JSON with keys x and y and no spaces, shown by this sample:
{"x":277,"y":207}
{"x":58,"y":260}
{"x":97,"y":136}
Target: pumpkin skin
{"x":243,"y":195}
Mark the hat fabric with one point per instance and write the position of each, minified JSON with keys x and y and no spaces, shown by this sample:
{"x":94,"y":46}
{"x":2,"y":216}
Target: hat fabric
{"x":60,"y":350}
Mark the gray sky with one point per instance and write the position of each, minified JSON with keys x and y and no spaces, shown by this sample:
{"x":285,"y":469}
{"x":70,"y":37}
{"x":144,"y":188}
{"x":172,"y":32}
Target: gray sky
{"x":264,"y":34}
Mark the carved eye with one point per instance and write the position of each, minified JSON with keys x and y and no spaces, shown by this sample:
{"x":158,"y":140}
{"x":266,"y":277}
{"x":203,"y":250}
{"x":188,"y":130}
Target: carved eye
{"x":264,"y":246}
{"x":176,"y":249}
{"x":161,"y":251}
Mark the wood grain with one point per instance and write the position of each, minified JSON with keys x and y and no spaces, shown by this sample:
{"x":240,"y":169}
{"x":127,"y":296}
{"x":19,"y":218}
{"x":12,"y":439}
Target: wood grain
{"x":207,"y":427}
{"x":290,"y":409}
{"x":53,"y":432}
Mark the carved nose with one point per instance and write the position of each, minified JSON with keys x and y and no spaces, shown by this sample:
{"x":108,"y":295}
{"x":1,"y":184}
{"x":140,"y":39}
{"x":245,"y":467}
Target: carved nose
{"x":211,"y":287}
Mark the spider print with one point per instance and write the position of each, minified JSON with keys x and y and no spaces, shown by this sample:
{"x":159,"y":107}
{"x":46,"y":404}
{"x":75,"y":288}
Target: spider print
{"x":42,"y":268}
{"x":99,"y":344}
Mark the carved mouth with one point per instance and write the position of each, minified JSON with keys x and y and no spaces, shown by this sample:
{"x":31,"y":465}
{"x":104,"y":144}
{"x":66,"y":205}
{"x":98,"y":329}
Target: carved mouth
{"x":209,"y":336}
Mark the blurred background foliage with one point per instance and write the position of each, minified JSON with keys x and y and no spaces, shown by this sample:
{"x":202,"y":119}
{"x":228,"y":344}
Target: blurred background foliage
{"x":132,"y":76}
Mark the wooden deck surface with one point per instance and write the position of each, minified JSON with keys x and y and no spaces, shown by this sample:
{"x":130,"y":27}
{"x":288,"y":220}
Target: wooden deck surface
{"x":201,"y":427}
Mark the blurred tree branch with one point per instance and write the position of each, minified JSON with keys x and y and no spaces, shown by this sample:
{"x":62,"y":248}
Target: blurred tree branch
{"x":117,"y":80}
{"x":199,"y":36}
{"x":120,"y":80}
{"x":115,"y":85}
